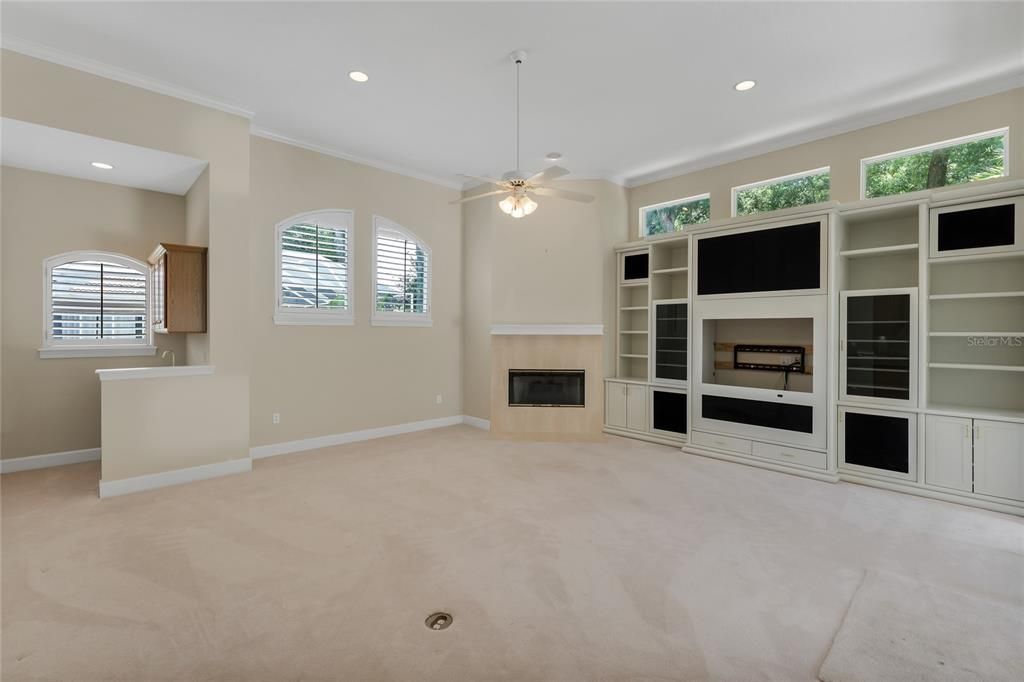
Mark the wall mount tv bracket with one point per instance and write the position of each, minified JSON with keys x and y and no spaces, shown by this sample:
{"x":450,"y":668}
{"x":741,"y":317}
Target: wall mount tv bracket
{"x":795,"y":366}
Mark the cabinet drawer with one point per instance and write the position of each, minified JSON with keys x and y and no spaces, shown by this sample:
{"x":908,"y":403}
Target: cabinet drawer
{"x":713,"y":440}
{"x":790,"y":455}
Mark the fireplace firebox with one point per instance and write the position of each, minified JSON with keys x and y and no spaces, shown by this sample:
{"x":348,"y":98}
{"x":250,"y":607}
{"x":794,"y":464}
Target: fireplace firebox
{"x":546,"y":388}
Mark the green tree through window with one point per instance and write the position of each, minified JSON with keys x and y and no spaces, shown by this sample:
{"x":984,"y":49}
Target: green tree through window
{"x":675,"y":217}
{"x":806,"y":189}
{"x":950,"y":165}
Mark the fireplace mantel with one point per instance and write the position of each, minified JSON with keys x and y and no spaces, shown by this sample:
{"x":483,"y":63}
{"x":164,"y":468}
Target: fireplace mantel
{"x":547,"y":329}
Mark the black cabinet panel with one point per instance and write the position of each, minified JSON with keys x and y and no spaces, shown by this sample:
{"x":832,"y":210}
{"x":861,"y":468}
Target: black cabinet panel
{"x":877,"y":441}
{"x":779,"y":259}
{"x":635,"y":266}
{"x":669,"y":411}
{"x":759,"y":413}
{"x":976,"y":228}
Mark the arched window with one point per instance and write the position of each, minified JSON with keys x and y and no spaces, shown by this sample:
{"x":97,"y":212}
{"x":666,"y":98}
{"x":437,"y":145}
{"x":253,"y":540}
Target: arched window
{"x":313,"y":254}
{"x":401,"y":276}
{"x":95,"y":304}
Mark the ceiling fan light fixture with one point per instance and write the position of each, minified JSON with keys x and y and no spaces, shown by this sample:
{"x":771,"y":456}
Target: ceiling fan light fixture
{"x":517,"y":206}
{"x":507,"y":204}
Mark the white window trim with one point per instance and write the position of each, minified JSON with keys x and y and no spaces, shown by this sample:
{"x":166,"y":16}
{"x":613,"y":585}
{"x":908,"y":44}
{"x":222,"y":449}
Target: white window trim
{"x":771,"y":181}
{"x":335,"y":218}
{"x":1004,"y":132}
{"x":69,"y":348}
{"x":393,"y":319}
{"x":673,"y":202}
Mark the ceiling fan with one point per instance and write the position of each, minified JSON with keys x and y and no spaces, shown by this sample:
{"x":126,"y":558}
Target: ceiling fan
{"x":519,"y":186}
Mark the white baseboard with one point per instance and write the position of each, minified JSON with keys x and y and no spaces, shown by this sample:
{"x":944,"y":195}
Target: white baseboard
{"x":476,"y":422}
{"x":53,"y":459}
{"x":288,"y":447}
{"x":202,"y":472}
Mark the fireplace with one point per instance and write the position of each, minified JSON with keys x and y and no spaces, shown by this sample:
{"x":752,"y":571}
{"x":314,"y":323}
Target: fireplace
{"x":546,"y":388}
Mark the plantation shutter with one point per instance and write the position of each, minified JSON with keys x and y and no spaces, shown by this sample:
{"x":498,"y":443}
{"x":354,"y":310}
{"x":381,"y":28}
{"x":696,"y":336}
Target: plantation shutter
{"x":314,"y":267}
{"x":402,"y":274}
{"x":97,"y":301}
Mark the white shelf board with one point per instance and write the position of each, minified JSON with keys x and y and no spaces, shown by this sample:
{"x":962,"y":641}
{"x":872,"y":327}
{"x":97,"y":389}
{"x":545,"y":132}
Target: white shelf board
{"x":980,"y":294}
{"x":669,"y":271}
{"x":879,"y":251}
{"x":964,"y":365}
{"x":982,"y":333}
{"x":634,"y":284}
{"x":632,"y":331}
{"x":975,"y":258}
{"x":632,"y":355}
{"x":634,"y":307}
{"x":978,"y":412}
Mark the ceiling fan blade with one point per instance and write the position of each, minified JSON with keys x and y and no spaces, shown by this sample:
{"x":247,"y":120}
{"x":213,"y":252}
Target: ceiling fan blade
{"x":562,"y":194}
{"x":549,"y":173}
{"x":478,"y":196}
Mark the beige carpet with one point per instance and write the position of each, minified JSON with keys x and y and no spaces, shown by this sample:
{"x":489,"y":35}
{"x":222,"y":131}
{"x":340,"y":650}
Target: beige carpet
{"x":903,"y":629}
{"x":618,"y":560}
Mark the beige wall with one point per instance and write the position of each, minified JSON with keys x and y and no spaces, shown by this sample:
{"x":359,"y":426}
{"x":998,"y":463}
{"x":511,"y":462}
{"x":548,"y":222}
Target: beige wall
{"x":843,"y":154}
{"x":52,"y":95}
{"x":333,"y":379}
{"x":53,"y":404}
{"x":197,"y":233}
{"x":554,"y":267}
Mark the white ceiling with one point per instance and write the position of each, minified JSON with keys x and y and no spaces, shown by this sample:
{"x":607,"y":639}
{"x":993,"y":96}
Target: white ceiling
{"x":61,"y":152}
{"x":626,"y":91}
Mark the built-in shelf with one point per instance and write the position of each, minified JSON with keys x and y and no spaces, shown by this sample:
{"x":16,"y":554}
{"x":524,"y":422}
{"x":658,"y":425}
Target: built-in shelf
{"x":633,"y":331}
{"x":981,"y":294}
{"x":976,"y":334}
{"x":878,"y":251}
{"x":634,"y":284}
{"x":963,"y":365}
{"x":633,"y":355}
{"x":634,"y":307}
{"x":984,"y":413}
{"x":668,"y":271}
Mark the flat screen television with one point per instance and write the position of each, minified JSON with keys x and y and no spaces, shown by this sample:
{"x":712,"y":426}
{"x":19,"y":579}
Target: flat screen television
{"x":778,"y":259}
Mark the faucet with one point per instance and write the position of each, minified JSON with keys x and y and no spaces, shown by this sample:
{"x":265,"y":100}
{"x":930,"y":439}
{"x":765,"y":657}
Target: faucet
{"x":163,"y":356}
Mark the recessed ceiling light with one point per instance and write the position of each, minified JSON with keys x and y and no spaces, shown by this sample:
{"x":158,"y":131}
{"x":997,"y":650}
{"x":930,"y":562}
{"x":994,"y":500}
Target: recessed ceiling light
{"x":743,"y":86}
{"x":358,"y":76}
{"x":553,"y":156}
{"x":104,"y":166}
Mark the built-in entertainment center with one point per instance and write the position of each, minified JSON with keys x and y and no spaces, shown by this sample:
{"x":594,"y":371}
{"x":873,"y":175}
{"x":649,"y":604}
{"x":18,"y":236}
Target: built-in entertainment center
{"x":879,"y":342}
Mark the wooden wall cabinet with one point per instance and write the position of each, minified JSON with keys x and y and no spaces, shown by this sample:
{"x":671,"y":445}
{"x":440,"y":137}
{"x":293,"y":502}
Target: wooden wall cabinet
{"x":179,"y":288}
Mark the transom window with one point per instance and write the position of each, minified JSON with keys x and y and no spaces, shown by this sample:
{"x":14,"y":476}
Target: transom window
{"x":95,"y":303}
{"x":313,"y":268}
{"x":951,"y":162}
{"x":401,"y":276}
{"x":674,"y":216}
{"x":798,"y":189}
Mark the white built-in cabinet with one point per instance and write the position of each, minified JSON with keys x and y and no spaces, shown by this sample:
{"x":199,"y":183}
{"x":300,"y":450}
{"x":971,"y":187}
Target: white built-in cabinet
{"x":626,"y":405}
{"x":878,"y":346}
{"x":975,"y":455}
{"x":949,"y":443}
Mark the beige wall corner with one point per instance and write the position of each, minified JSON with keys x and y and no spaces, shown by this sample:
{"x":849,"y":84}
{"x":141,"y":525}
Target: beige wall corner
{"x":338,"y":379}
{"x":53,"y":404}
{"x":197,"y":233}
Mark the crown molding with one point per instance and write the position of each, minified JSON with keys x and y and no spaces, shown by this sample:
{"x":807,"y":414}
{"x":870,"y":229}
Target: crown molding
{"x":373,"y":163}
{"x":50,"y":54}
{"x":990,"y":84}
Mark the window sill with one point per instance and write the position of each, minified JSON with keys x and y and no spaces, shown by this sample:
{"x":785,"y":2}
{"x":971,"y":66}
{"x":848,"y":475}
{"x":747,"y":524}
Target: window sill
{"x":96,"y":351}
{"x":401,"y":322}
{"x":313,"y":319}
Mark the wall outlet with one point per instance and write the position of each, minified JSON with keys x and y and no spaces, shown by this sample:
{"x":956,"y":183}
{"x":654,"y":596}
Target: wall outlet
{"x":276,"y":417}
{"x":439,"y":399}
